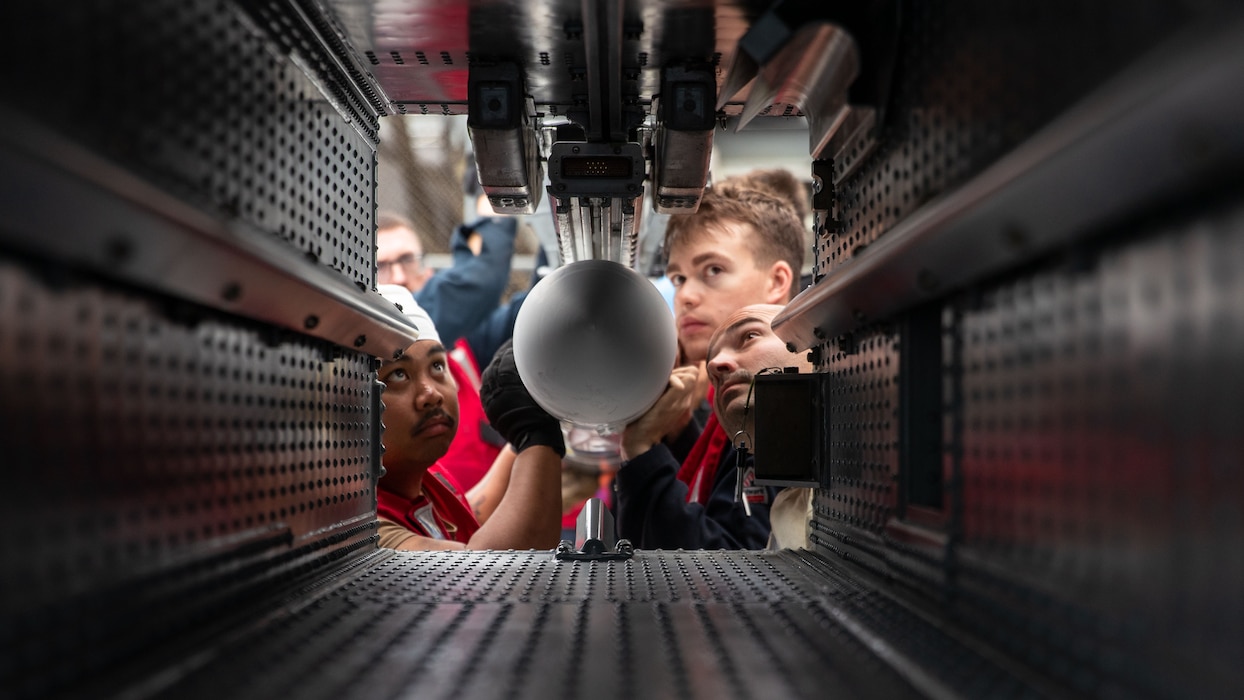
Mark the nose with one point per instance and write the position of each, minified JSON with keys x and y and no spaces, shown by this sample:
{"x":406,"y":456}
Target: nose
{"x":428,"y":395}
{"x":687,"y":295}
{"x":721,"y":364}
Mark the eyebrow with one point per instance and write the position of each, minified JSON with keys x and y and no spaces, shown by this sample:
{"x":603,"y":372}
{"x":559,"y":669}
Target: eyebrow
{"x":733,"y":327}
{"x":699,"y":259}
{"x":436,"y":348}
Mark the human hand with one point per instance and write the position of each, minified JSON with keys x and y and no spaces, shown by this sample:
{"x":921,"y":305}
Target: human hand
{"x":510,"y":408}
{"x":673,"y":406}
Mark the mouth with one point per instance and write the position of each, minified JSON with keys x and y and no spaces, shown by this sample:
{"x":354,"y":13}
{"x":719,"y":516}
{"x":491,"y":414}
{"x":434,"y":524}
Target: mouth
{"x":434,"y":427}
{"x":691,"y":325}
{"x":734,"y":381}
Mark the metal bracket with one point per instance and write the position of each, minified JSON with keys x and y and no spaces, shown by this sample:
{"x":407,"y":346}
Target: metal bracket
{"x":594,"y":537}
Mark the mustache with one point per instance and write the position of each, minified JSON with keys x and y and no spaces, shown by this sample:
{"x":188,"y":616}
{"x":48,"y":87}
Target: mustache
{"x":434,"y":414}
{"x":736,"y":377}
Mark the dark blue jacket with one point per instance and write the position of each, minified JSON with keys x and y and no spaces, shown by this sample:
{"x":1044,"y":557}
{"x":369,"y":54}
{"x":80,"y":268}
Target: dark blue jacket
{"x":653,"y":513}
{"x":486,"y":338}
{"x":460,"y":298}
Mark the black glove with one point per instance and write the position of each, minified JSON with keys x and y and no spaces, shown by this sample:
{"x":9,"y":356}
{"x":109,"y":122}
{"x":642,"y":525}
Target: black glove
{"x":510,"y":408}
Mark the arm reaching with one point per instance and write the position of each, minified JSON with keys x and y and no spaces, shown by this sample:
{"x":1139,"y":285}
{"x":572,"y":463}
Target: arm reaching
{"x":529,"y":514}
{"x":673,"y":408}
{"x":521,"y":504}
{"x":485,"y":495}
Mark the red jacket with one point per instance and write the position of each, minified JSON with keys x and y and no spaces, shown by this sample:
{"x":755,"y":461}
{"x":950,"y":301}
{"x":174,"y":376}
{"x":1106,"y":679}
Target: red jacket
{"x":471,"y":453}
{"x":439,"y":512}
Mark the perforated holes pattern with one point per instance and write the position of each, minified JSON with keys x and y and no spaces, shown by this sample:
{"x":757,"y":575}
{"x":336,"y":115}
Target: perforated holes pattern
{"x":192,"y":95}
{"x":139,"y":434}
{"x":521,"y":624}
{"x":863,"y":430}
{"x":1101,"y":447}
{"x":975,"y":79}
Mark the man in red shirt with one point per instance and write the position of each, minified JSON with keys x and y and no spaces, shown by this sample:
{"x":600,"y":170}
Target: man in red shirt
{"x":463,"y":302}
{"x":419,"y":509}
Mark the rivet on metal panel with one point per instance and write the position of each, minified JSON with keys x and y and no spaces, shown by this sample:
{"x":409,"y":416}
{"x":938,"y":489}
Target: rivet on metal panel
{"x":311,"y":322}
{"x":231,"y":292}
{"x":1016,"y":237}
{"x":360,"y":341}
{"x":118,"y":249}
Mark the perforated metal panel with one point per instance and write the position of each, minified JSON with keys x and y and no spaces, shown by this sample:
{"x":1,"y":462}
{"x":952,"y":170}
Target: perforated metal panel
{"x":523,"y":625}
{"x":1093,"y":504}
{"x":1100,"y":458}
{"x":156,"y":458}
{"x":863,"y":431}
{"x":974,"y":80}
{"x":206,"y":103}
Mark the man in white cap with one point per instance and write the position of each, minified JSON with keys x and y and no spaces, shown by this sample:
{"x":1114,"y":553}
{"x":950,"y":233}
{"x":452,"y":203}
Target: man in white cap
{"x":418,"y":509}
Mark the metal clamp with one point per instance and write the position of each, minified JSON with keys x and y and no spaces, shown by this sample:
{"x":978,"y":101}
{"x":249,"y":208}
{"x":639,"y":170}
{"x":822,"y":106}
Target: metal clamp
{"x":594,"y":537}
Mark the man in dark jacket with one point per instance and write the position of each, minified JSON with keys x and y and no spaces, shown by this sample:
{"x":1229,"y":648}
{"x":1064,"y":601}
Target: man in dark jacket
{"x":658,"y":510}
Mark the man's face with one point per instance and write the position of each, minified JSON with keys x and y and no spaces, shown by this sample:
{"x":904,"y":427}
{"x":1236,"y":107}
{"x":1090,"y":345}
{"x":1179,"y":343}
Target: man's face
{"x":399,"y":259}
{"x":421,"y":407}
{"x":714,"y":273}
{"x":741,"y":347}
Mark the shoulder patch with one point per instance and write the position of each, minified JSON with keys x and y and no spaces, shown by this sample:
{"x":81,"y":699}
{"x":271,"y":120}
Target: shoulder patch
{"x":752,"y":492}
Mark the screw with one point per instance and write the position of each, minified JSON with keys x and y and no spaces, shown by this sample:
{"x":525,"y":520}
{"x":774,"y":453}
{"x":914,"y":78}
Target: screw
{"x":118,"y":249}
{"x":1016,"y":237}
{"x":360,"y":341}
{"x":311,"y":322}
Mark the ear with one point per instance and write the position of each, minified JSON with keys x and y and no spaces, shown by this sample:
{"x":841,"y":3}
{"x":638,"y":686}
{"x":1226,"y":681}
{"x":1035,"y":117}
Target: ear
{"x":778,"y":289}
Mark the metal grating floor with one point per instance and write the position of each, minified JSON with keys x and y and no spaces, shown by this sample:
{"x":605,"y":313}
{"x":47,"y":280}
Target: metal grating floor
{"x":523,"y":625}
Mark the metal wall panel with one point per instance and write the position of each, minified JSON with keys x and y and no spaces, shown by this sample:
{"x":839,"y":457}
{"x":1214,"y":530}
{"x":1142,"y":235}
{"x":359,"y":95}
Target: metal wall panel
{"x":168,"y":468}
{"x":244,"y":120}
{"x":974,"y":80}
{"x":1101,"y":460}
{"x":159,"y":458}
{"x":1092,"y":497}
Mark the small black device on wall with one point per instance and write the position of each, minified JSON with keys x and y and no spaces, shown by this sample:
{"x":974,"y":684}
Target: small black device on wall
{"x":789,"y":426}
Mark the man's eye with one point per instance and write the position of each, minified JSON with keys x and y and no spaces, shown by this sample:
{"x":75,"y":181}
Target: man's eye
{"x":396,"y":375}
{"x":677,"y":280}
{"x":439,"y":366}
{"x":713,"y":270}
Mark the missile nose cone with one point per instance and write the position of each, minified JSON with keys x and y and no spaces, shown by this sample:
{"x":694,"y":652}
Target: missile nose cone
{"x":595,"y":343}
